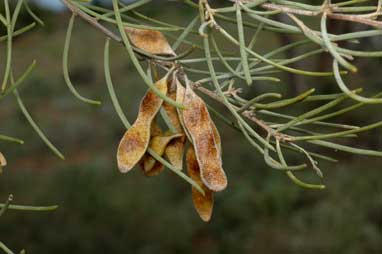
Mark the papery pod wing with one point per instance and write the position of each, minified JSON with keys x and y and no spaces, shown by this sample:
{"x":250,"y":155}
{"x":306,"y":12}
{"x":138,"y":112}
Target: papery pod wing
{"x":203,"y":204}
{"x":158,"y":144}
{"x":151,"y":41}
{"x":180,"y":98}
{"x":136,"y":139}
{"x":174,"y":150}
{"x":171,"y":110}
{"x":198,"y":123}
{"x":3,"y":161}
{"x":217,"y":137}
{"x":159,"y":167}
{"x":180,"y":93}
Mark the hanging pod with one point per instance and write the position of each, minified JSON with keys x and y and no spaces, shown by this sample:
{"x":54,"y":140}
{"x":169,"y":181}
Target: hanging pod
{"x":158,"y":144}
{"x":175,"y":149}
{"x":200,"y":127}
{"x":136,"y":139}
{"x":180,"y":93}
{"x":151,"y":41}
{"x":203,"y":204}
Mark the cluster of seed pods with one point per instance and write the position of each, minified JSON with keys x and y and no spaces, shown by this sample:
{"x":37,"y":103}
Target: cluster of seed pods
{"x":192,"y":128}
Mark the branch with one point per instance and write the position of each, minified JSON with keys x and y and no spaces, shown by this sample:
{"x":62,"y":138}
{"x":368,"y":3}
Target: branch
{"x":362,"y":19}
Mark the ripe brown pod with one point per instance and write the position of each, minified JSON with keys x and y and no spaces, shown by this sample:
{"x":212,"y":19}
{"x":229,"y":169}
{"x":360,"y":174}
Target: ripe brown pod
{"x":199,"y":125}
{"x":174,"y":150}
{"x":158,"y":144}
{"x":203,"y":204}
{"x":171,"y":110}
{"x":180,"y":98}
{"x":134,"y":143}
{"x":151,"y":41}
{"x":180,"y":92}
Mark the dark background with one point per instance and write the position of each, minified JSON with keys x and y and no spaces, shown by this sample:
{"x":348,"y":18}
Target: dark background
{"x":103,"y":211}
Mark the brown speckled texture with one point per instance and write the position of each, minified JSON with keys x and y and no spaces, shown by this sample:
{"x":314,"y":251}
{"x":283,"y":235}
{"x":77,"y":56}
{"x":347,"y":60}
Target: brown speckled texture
{"x":174,"y":150}
{"x":136,"y":140}
{"x":158,"y":144}
{"x":203,"y":204}
{"x":208,"y":152}
{"x":180,"y":92}
{"x":150,"y":41}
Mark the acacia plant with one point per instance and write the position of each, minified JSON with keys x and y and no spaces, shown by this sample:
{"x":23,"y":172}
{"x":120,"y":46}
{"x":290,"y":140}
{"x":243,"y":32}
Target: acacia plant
{"x":223,"y":76}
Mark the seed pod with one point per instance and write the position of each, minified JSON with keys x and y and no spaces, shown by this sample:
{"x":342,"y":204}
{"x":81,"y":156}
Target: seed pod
{"x":180,"y":92}
{"x":174,"y":150}
{"x":180,"y":98}
{"x":136,"y":139}
{"x":158,"y":144}
{"x":159,"y":167}
{"x":3,"y":161}
{"x":203,"y":204}
{"x":171,"y":110}
{"x":151,"y":41}
{"x":155,"y":131}
{"x":198,"y":123}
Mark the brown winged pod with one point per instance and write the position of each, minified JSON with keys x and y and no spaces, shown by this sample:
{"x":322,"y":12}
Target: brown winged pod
{"x":174,"y":150}
{"x":3,"y":161}
{"x":180,"y":98}
{"x":158,"y":144}
{"x":180,"y":92}
{"x":159,"y":167}
{"x":136,"y":139}
{"x":153,"y":42}
{"x":199,"y":125}
{"x":203,"y":204}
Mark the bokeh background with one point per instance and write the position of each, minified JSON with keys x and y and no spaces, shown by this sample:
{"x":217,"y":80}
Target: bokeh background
{"x":103,"y":211}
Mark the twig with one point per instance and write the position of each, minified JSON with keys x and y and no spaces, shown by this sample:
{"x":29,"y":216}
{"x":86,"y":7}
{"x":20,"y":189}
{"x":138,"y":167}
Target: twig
{"x":362,"y":19}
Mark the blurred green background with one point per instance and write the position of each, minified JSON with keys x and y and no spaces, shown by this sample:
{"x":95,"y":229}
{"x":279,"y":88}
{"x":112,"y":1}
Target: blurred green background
{"x":103,"y":211}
